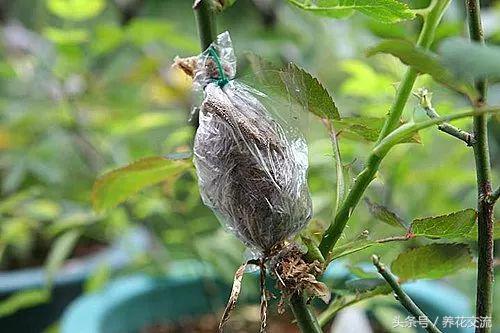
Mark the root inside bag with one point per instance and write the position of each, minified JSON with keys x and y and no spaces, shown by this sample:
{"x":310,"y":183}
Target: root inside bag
{"x":251,"y":164}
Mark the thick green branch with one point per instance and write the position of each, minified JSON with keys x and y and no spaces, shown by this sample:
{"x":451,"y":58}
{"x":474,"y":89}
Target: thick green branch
{"x":403,"y":298}
{"x":205,"y":19}
{"x":485,"y":267}
{"x":332,"y":235}
{"x":431,"y":21}
{"x":305,"y":318}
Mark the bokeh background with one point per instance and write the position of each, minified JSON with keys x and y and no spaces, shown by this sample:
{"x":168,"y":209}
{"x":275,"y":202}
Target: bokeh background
{"x":87,"y":90}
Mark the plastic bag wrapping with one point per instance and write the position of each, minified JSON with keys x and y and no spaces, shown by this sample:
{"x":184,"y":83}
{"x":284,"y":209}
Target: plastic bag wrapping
{"x":251,"y":166}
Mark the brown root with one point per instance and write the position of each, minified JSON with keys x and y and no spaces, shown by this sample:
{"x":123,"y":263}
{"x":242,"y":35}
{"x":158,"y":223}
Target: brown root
{"x":187,"y":65}
{"x":294,"y":275}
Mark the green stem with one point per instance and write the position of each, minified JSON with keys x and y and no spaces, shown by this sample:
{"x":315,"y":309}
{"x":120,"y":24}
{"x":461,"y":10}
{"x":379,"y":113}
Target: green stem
{"x":425,"y":103}
{"x":406,"y":130}
{"x":333,"y":233}
{"x":484,"y":298}
{"x":205,"y":19}
{"x":431,"y":21}
{"x":305,"y":318}
{"x":403,"y":298}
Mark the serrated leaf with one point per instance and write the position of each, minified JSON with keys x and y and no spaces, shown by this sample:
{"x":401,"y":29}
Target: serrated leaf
{"x":385,"y":215}
{"x":312,"y":94}
{"x":23,"y":299}
{"x":60,"y":250}
{"x":469,"y":60}
{"x":386,"y":11}
{"x":453,"y":225}
{"x":365,"y":129}
{"x":76,"y":10}
{"x":116,"y":186}
{"x":291,"y":83}
{"x":423,"y":61}
{"x":432,"y":261}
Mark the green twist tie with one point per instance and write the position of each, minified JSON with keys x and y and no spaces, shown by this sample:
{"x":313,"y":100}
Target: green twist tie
{"x":222,"y":80}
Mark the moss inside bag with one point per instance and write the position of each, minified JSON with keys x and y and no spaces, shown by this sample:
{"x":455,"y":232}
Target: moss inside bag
{"x":252,"y":167}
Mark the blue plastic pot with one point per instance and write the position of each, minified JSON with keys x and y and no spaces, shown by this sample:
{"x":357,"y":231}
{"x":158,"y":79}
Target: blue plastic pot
{"x":67,"y":283}
{"x":128,"y":304}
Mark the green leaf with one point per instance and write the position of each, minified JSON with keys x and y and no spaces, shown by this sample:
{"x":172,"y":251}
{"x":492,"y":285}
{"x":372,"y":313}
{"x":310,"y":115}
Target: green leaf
{"x":432,"y":261}
{"x":385,"y":215}
{"x":76,"y":10}
{"x":471,"y":60}
{"x":453,"y":225}
{"x":423,"y":61}
{"x":23,"y":299}
{"x":61,"y":249}
{"x":116,"y":186}
{"x":312,"y":93}
{"x":292,"y":83}
{"x":365,"y":129}
{"x":386,"y":11}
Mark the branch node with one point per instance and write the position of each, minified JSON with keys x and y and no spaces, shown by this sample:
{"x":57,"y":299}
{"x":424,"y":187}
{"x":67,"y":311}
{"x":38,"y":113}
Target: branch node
{"x":425,"y":99}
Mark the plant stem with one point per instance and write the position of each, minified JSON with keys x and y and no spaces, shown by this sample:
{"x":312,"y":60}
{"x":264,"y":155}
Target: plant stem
{"x":205,"y":19}
{"x":431,"y":21}
{"x":207,"y":32}
{"x":333,"y":233}
{"x":492,"y":199}
{"x":403,"y":298}
{"x":484,"y":298}
{"x":305,"y":318}
{"x":425,"y":102}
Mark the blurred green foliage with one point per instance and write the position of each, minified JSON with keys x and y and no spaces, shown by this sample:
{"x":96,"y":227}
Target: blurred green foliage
{"x":87,"y":86}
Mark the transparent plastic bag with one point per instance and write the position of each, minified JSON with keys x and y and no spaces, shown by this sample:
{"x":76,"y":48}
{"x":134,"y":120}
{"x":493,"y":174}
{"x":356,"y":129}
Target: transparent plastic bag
{"x":251,"y":164}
